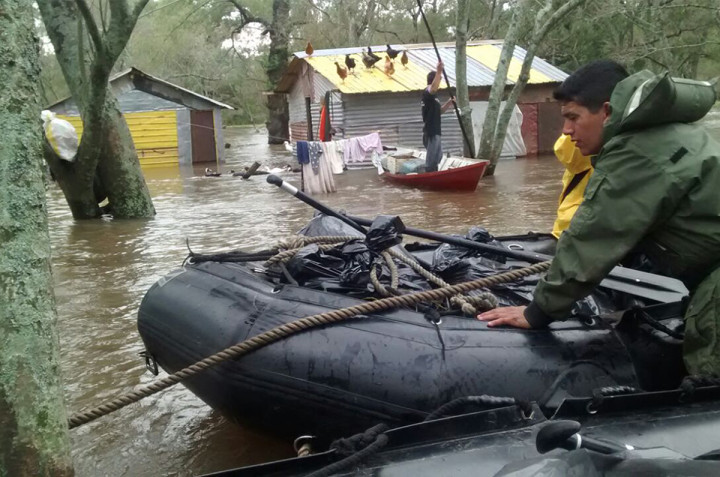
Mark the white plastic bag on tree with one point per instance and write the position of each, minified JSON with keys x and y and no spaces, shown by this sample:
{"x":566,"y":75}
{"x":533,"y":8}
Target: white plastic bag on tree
{"x":61,"y":135}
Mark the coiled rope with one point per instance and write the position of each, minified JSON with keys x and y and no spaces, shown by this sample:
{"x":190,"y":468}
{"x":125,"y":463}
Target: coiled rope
{"x":470,"y":305}
{"x":283,"y":331}
{"x":484,"y":301}
{"x":289,"y":247}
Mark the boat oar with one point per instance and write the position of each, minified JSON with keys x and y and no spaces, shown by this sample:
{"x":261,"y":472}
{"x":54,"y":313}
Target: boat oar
{"x":647,"y":285}
{"x":292,"y":190}
{"x":531,"y":257}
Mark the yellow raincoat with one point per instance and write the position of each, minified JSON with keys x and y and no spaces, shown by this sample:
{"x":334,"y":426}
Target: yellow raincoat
{"x":577,"y":174}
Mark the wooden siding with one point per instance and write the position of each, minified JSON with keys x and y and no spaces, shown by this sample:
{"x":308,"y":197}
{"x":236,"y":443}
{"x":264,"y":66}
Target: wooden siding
{"x":154,"y":134}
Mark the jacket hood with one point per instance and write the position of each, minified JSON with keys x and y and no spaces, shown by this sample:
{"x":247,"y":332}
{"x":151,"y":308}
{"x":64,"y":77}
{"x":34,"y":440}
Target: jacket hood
{"x":645,"y":100}
{"x":570,"y":156}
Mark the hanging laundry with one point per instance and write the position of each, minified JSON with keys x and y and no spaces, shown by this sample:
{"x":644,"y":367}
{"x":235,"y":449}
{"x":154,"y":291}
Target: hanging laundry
{"x":330,"y":153}
{"x":315,"y":150}
{"x":302,"y":152}
{"x":371,"y":142}
{"x":352,"y":151}
{"x":322,"y":181}
{"x":357,"y":149}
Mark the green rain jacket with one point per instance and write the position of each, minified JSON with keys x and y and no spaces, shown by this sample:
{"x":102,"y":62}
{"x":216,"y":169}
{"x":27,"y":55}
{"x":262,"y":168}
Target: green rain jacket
{"x":655,"y":190}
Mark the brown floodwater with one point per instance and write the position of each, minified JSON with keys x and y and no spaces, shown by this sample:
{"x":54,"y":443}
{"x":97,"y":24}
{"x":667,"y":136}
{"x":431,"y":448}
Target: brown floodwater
{"x":102,"y":269}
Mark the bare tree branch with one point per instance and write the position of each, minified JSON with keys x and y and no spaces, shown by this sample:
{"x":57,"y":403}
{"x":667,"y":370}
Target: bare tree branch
{"x":91,"y":25}
{"x":122,"y":23}
{"x":388,"y":32}
{"x":248,"y":17}
{"x":324,"y":12}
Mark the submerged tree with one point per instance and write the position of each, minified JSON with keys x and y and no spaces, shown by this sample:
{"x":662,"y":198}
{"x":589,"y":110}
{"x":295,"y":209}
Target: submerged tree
{"x":33,"y":425}
{"x":463,"y":97}
{"x":106,"y":165}
{"x":494,"y":128}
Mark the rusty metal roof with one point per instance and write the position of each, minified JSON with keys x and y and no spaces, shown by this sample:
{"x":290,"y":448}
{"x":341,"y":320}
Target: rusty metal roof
{"x":482,"y":59}
{"x":133,"y":78}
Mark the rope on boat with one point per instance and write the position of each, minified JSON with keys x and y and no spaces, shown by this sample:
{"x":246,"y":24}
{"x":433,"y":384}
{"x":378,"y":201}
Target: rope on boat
{"x":485,"y":401}
{"x":280,"y":332}
{"x":645,"y":317}
{"x":289,"y":247}
{"x":470,"y":305}
{"x":238,"y":256}
{"x":692,"y":382}
{"x":484,"y":301}
{"x":355,"y":449}
{"x":394,"y":279}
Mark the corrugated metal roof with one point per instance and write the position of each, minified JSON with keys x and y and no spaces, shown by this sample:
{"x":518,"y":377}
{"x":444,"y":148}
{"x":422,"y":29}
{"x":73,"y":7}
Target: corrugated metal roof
{"x":364,"y":80}
{"x":489,"y":55}
{"x":481,"y":63}
{"x":132,"y":74}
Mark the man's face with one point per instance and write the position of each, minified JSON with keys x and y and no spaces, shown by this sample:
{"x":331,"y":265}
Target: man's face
{"x":584,"y":126}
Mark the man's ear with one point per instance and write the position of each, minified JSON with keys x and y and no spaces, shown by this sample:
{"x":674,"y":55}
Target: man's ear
{"x":606,"y":109}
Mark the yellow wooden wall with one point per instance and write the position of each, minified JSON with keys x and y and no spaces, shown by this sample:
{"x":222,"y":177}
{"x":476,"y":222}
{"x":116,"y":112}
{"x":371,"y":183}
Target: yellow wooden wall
{"x":154,"y":134}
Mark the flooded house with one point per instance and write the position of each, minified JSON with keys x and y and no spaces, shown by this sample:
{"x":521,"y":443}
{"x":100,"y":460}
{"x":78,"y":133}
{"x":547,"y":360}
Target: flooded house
{"x":169,"y":124}
{"x":369,"y":100}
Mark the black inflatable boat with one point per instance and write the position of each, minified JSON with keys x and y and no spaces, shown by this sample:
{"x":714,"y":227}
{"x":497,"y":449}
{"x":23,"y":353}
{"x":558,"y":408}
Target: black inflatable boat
{"x":665,"y":433}
{"x":395,"y":366}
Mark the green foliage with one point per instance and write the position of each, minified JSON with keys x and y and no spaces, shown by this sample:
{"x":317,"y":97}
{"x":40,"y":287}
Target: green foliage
{"x":682,"y":36}
{"x":186,"y":42}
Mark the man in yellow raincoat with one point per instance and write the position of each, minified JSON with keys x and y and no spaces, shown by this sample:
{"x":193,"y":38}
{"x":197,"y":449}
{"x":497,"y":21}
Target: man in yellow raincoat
{"x":578,"y":170}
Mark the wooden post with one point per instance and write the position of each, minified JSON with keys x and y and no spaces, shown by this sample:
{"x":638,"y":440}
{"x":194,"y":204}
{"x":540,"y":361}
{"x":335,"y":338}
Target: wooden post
{"x":308,"y":113}
{"x":34,"y":436}
{"x":327,"y":117}
{"x":251,"y":170}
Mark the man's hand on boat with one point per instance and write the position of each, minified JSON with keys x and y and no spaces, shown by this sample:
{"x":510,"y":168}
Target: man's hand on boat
{"x":506,"y":316}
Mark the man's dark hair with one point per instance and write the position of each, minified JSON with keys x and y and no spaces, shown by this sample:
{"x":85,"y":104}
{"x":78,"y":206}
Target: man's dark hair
{"x":431,"y":77}
{"x":592,"y":84}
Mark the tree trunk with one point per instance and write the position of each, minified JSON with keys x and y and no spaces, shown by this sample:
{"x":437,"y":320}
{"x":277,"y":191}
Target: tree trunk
{"x":498,"y":91}
{"x":33,"y":425}
{"x":278,"y":114}
{"x":106,"y":158}
{"x":494,"y":129}
{"x":121,"y":178}
{"x":463,"y":97}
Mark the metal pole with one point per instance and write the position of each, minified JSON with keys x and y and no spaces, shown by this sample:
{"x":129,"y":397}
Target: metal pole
{"x":457,"y":111}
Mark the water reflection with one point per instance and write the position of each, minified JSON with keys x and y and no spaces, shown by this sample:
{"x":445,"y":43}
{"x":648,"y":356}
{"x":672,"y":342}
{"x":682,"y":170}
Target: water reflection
{"x":102,"y":269}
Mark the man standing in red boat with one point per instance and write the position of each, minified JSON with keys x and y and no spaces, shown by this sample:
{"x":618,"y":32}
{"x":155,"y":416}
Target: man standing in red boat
{"x":431,"y":112}
{"x":654,"y":191}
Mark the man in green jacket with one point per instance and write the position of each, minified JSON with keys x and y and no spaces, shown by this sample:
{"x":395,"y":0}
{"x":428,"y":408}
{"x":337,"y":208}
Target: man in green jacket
{"x":655,"y":190}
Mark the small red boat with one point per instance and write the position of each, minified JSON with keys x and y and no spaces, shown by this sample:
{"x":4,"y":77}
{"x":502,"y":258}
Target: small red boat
{"x":463,"y":178}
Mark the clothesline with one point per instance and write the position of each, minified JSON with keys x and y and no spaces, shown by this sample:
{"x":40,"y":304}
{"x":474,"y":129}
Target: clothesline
{"x":320,"y":160}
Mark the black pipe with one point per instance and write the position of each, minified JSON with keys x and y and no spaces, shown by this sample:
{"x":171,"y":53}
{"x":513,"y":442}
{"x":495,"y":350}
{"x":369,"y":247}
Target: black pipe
{"x":649,"y":285}
{"x":292,"y":190}
{"x":526,"y":256}
{"x":447,"y":81}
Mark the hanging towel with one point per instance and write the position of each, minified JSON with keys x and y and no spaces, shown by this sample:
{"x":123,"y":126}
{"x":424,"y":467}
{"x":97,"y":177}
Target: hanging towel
{"x":321,"y":182}
{"x":302,"y":152}
{"x":330,"y":154}
{"x":340,"y":145}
